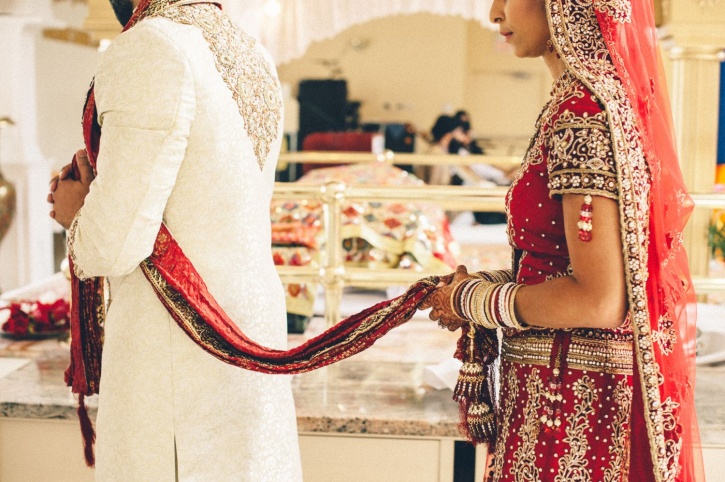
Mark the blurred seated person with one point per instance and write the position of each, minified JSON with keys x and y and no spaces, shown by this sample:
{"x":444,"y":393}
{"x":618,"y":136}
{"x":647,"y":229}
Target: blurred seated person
{"x":401,"y":138}
{"x":483,"y":175}
{"x":445,"y":134}
{"x":469,"y":143}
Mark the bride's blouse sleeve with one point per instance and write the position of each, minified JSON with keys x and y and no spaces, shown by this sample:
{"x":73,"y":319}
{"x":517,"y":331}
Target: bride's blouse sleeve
{"x":580,"y":158}
{"x":146,"y":105}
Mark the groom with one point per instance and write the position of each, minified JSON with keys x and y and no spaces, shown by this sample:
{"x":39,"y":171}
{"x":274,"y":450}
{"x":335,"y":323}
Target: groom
{"x":190,"y":114}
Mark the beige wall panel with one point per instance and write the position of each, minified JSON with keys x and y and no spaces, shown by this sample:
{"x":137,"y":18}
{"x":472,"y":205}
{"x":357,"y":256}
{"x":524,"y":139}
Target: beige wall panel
{"x":698,"y":22}
{"x":416,"y":66}
{"x":41,"y":451}
{"x":413,"y":67}
{"x":504,"y":93}
{"x":365,"y":459}
{"x":101,"y":20}
{"x":505,"y":104}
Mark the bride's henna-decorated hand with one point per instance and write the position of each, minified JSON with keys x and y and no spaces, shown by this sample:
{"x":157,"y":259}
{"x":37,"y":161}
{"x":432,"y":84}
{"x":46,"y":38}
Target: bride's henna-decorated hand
{"x":440,"y":301}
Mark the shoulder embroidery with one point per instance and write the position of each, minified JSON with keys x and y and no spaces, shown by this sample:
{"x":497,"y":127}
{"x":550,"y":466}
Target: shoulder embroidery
{"x":581,"y":158}
{"x":244,"y":69}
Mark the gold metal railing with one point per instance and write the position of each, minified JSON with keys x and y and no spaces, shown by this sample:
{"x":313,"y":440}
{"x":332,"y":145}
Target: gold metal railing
{"x":505,"y":163}
{"x":333,"y":275}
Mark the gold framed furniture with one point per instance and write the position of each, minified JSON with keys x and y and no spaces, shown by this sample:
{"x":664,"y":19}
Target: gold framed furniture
{"x":334,"y":276}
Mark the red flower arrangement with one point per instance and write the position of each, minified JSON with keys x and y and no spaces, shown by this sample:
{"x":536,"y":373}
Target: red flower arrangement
{"x":35,"y":318}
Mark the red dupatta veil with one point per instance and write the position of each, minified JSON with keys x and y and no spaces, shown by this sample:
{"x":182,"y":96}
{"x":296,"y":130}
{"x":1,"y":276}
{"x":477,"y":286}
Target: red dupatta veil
{"x":611,"y":46}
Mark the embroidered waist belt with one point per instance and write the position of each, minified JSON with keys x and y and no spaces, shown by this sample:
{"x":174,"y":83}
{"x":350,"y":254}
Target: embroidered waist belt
{"x":609,"y":354}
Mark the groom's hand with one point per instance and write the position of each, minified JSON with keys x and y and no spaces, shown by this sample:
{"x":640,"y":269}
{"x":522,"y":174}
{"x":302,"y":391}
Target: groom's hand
{"x":68,"y":194}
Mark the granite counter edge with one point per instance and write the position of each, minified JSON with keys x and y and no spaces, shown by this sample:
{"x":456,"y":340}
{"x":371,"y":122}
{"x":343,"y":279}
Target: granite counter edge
{"x":305,"y":423}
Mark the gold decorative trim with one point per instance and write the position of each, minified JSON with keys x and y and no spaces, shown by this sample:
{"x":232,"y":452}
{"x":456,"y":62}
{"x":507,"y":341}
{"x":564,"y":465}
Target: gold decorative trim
{"x":620,"y":10}
{"x":573,"y":464}
{"x":524,"y":467}
{"x":245,"y":70}
{"x":707,"y":53}
{"x":510,"y":382}
{"x":618,"y":470}
{"x":70,"y":245}
{"x":612,"y":353}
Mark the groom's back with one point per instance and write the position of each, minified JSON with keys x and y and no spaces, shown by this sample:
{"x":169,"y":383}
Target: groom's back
{"x":218,"y":209}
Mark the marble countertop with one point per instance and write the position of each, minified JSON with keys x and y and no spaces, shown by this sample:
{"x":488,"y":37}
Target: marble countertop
{"x":378,"y":392}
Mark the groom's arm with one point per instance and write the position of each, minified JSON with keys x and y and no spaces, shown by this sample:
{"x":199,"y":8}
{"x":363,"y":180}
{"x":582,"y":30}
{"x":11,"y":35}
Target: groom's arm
{"x":146,"y":105}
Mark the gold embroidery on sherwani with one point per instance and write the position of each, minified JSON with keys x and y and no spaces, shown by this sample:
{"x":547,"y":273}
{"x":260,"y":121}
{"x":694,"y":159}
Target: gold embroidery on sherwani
{"x":573,"y":465}
{"x":580,"y":42}
{"x":72,"y":233}
{"x":244,"y":69}
{"x":511,"y":383}
{"x":524,"y":465}
{"x":618,"y":470}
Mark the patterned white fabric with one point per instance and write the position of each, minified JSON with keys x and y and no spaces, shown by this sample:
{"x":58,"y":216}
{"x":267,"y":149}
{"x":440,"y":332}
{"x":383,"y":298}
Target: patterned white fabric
{"x":174,"y":148}
{"x":300,"y":23}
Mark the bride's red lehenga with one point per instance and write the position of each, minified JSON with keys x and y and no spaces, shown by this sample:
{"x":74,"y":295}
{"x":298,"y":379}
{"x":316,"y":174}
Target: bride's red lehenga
{"x":603,"y":405}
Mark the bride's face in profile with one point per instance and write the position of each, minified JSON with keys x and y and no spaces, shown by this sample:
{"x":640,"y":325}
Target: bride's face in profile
{"x":524,"y":25}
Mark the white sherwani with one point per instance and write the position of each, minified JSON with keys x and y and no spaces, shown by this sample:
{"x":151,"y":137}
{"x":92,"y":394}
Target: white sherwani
{"x":174,"y":148}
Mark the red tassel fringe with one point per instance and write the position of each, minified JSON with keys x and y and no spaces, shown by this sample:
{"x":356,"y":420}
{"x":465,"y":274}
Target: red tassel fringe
{"x":84,"y":373}
{"x":89,"y":434}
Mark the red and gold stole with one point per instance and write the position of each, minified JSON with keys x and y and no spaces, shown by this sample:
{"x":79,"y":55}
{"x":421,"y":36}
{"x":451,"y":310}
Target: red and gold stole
{"x":184,"y":294}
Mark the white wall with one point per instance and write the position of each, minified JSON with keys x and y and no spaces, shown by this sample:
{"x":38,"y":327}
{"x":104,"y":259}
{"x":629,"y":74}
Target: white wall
{"x":43,"y":88}
{"x":64,"y":71}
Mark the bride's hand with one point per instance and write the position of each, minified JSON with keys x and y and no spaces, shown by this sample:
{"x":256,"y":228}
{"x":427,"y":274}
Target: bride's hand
{"x":440,"y":301}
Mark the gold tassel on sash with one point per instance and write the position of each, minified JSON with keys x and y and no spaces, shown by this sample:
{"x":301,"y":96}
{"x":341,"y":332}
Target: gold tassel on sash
{"x":473,"y":392}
